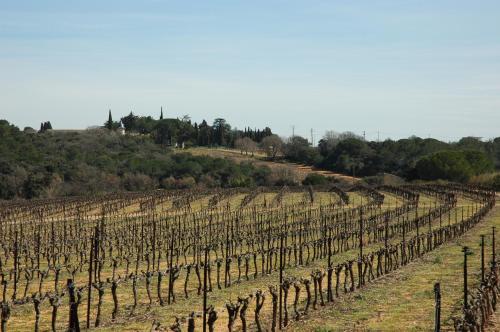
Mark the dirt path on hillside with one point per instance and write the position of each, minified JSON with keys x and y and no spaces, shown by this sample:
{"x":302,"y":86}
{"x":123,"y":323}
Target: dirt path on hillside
{"x":258,"y":159}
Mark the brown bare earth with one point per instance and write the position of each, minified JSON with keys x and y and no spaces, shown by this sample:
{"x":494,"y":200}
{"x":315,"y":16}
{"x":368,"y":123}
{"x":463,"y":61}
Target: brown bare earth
{"x":300,"y":171}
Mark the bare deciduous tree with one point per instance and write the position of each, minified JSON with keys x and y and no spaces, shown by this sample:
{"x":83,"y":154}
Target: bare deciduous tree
{"x":272,"y":145}
{"x":245,"y":145}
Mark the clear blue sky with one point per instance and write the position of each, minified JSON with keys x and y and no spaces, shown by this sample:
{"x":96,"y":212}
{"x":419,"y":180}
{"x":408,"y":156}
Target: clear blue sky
{"x":398,"y":67}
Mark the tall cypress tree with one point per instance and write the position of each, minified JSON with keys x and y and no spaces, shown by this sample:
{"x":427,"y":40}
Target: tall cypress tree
{"x":109,"y":123}
{"x":161,"y":113}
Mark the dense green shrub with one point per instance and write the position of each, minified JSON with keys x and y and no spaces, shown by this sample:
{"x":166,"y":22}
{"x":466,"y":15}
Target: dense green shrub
{"x":315,"y":179}
{"x":453,"y":165}
{"x":495,"y":182}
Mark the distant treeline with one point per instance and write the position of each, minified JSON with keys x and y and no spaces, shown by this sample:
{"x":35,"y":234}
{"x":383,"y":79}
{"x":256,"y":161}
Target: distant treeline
{"x":413,"y":158}
{"x":51,"y":163}
{"x":184,"y":132}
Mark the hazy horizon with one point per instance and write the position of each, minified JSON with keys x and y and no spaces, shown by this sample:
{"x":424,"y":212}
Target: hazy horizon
{"x":393,"y":67}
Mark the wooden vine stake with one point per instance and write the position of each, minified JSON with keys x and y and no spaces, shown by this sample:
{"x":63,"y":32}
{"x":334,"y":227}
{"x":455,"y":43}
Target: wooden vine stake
{"x":437,"y":314}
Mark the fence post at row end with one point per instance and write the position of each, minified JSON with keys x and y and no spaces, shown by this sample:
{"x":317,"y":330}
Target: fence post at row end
{"x":437,"y":314}
{"x":466,"y":252}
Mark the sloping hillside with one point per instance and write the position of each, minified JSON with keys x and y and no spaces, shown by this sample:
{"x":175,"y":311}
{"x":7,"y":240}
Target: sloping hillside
{"x":299,"y":171}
